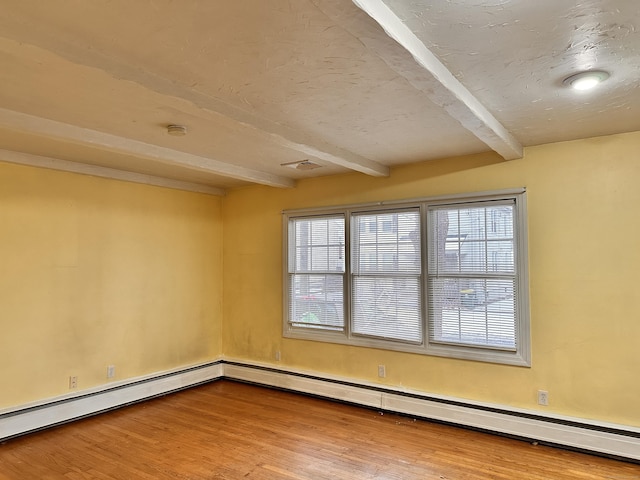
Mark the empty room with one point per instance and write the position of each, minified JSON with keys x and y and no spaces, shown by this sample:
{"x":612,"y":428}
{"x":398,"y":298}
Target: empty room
{"x":320,"y":239}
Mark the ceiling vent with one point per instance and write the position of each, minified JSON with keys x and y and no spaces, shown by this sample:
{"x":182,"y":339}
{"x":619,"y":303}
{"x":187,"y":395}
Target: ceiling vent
{"x":301,"y":165}
{"x":177,"y":130}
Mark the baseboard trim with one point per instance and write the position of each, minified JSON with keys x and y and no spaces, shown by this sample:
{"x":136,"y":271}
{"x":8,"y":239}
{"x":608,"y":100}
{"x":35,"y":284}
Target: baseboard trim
{"x":612,"y":440}
{"x":55,"y":411}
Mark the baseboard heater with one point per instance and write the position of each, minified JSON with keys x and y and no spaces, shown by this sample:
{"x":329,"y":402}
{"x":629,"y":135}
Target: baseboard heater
{"x":37,"y":416}
{"x":612,"y":440}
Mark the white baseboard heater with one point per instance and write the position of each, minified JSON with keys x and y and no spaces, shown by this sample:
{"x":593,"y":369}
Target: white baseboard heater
{"x":33,"y":417}
{"x":618,"y":441}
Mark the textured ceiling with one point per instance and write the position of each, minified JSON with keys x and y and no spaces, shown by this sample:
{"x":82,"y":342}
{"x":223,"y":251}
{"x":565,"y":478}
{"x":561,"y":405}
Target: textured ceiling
{"x":357,"y":86}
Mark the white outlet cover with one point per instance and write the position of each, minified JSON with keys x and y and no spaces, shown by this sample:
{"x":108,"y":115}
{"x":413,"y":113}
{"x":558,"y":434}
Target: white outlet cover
{"x":543,"y":397}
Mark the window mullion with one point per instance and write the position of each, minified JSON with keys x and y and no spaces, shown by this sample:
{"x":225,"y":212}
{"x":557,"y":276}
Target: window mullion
{"x":347,"y":289}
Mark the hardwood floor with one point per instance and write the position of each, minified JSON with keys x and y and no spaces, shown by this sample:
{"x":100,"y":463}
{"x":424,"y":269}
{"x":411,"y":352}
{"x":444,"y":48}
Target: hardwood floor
{"x":228,"y":430}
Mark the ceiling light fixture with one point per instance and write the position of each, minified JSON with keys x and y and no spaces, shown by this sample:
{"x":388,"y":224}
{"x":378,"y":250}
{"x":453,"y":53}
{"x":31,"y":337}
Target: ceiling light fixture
{"x":585,"y":80}
{"x":177,"y":130}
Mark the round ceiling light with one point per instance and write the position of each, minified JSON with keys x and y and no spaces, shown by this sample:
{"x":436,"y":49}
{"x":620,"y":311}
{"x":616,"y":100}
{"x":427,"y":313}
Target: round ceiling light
{"x":177,"y":130}
{"x":586,"y":80}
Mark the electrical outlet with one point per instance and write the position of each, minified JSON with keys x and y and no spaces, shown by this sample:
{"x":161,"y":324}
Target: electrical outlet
{"x":382,"y":371}
{"x":543,"y":397}
{"x":73,"y":382}
{"x":111,"y":371}
{"x":277,"y":355}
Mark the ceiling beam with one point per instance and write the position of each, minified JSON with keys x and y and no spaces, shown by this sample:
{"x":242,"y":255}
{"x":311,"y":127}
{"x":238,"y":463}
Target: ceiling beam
{"x":64,"y":132}
{"x":104,"y":172}
{"x":283,"y":135}
{"x":447,"y":92}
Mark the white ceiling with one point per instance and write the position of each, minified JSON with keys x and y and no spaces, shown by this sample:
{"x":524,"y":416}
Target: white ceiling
{"x":352,"y":86}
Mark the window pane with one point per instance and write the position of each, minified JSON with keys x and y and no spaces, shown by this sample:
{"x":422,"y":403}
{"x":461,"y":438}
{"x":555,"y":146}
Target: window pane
{"x":320,"y":259}
{"x":387,"y":307}
{"x":387,"y":243}
{"x":472,"y":311}
{"x":316,"y":301}
{"x":500,"y":257}
{"x":471,"y":240}
{"x":318,"y":245}
{"x":473,"y":256}
{"x":500,"y":222}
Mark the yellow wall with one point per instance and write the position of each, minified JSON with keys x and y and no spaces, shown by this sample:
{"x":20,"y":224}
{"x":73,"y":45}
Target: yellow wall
{"x":98,"y":272}
{"x":584,"y":278}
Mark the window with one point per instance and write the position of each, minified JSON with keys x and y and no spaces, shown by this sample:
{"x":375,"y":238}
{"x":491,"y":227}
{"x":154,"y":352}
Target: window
{"x":472,"y":275}
{"x":441,"y":276}
{"x":385,"y":275}
{"x":316,"y":272}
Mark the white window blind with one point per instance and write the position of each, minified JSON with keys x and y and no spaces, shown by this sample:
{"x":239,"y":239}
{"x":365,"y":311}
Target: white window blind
{"x":472,"y":268}
{"x":386,"y":272}
{"x":316,"y":272}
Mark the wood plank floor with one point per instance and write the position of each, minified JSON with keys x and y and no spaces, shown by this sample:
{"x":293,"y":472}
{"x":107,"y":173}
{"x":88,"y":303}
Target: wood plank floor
{"x":228,"y":430}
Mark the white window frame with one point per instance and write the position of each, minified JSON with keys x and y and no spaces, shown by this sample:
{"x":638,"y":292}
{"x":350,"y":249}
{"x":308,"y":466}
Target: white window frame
{"x":521,"y":356}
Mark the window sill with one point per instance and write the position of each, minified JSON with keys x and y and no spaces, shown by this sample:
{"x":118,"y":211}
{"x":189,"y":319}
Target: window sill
{"x":476,"y":354}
